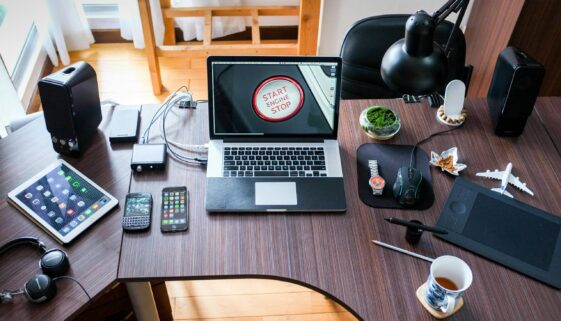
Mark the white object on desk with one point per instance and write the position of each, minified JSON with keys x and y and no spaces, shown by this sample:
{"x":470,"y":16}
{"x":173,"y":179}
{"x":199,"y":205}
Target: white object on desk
{"x":506,"y":178}
{"x":451,"y":113}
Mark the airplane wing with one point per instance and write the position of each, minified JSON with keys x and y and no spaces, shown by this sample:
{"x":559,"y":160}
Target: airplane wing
{"x":492,"y":175}
{"x":513,"y":180}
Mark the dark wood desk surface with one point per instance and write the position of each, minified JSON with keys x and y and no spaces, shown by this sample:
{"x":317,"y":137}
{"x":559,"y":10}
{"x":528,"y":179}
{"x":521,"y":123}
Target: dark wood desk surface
{"x":549,"y":112}
{"x":333,"y":253}
{"x":94,"y":255}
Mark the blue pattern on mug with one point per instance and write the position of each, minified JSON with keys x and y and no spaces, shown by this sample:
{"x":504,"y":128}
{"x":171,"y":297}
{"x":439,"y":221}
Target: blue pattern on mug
{"x":436,"y":295}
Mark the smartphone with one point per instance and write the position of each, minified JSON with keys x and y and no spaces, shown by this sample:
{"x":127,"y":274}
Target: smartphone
{"x":175,"y":209}
{"x":138,"y":212}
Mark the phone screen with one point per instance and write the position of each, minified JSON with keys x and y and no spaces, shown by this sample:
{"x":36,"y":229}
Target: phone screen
{"x":138,"y":204}
{"x":175,"y":209}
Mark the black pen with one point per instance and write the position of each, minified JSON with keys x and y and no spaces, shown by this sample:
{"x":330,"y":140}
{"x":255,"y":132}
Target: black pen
{"x":431,"y":229}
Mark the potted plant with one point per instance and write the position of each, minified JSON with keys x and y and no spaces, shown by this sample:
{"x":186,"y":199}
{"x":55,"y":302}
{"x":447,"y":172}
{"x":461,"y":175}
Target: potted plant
{"x":379,"y":122}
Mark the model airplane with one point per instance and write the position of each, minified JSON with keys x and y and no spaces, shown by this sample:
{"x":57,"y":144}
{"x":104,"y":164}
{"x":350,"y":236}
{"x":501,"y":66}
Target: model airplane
{"x":506,"y":178}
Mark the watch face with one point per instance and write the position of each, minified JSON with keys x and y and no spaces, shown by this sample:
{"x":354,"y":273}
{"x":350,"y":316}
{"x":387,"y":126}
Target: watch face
{"x":377,"y":182}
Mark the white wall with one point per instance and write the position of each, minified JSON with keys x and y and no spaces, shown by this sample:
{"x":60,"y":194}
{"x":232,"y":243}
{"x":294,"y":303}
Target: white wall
{"x":340,"y":15}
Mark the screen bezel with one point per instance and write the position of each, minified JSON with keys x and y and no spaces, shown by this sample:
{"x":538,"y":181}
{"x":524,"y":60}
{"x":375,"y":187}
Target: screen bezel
{"x":64,"y":239}
{"x":287,"y":59}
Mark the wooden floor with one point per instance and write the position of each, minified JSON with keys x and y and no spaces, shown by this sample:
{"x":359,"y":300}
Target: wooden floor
{"x":122,"y":75}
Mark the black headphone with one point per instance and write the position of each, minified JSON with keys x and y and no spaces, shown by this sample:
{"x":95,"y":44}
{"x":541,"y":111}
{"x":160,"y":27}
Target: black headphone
{"x":41,"y":287}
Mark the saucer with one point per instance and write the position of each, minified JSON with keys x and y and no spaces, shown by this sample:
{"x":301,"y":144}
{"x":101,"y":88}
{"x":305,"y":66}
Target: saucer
{"x":436,"y":313}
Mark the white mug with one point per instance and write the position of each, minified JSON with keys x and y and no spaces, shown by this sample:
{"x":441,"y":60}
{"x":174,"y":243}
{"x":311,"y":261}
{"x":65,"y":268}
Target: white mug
{"x":449,"y":278}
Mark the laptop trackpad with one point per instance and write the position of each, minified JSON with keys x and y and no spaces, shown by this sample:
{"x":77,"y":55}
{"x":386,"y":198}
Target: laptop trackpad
{"x":275,"y":193}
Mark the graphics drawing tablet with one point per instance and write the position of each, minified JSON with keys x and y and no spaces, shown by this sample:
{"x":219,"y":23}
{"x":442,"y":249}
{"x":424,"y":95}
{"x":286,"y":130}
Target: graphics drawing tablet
{"x":514,"y":234}
{"x":62,"y":201}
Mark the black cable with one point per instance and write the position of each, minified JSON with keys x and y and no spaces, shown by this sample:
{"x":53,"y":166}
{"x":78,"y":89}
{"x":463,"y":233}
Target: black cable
{"x":73,"y":279}
{"x":427,"y":138}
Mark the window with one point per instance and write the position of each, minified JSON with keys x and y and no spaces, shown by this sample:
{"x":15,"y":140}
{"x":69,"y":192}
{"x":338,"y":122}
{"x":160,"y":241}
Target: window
{"x":102,"y":14}
{"x":15,"y":27}
{"x":2,"y":13}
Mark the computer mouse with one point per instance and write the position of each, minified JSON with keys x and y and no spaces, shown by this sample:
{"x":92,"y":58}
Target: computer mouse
{"x":407,"y":186}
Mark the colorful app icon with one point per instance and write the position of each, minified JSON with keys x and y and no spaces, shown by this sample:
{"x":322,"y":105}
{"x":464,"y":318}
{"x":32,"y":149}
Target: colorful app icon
{"x":73,"y":197}
{"x":70,"y":212}
{"x":73,"y":223}
{"x":88,"y":212}
{"x":57,"y":186}
{"x":28,"y":195}
{"x":65,"y":191}
{"x":183,"y":221}
{"x":54,"y":199}
{"x":36,"y":202}
{"x":95,"y":206}
{"x":39,"y":187}
{"x":66,"y":229}
{"x":81,"y":217}
{"x":76,"y":184}
{"x":81,"y":203}
{"x":62,"y":205}
{"x":68,"y":178}
{"x":83,"y":190}
{"x":165,"y":216}
{"x":59,"y":220}
{"x":165,"y":222}
{"x":50,"y":180}
{"x":51,"y":214}
{"x":171,"y":216}
{"x":61,"y":172}
{"x":47,"y":194}
{"x":43,"y":208}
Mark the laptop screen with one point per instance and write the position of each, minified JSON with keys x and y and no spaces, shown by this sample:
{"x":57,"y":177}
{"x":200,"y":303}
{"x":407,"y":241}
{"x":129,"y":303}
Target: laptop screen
{"x":274,"y":96}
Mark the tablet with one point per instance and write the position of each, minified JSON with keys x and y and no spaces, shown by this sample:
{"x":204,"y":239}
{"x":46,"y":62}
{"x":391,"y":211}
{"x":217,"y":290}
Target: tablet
{"x":62,"y":201}
{"x":514,"y":234}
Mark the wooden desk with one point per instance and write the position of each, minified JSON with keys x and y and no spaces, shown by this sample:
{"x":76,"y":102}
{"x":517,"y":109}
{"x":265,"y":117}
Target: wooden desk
{"x":333,"y":253}
{"x":549,"y":112}
{"x":94,"y":255}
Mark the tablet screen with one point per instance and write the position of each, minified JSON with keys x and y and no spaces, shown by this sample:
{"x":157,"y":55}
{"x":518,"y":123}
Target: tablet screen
{"x":63,"y":199}
{"x":508,"y":229}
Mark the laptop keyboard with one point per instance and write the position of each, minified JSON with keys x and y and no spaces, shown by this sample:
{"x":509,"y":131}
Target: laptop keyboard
{"x":274,"y":162}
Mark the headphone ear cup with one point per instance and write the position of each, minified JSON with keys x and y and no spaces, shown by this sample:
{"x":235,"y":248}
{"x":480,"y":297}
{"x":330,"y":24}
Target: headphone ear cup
{"x":40,"y":288}
{"x":54,"y":263}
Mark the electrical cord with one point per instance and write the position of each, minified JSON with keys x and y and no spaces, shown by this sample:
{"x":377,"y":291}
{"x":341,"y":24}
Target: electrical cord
{"x":186,"y":159}
{"x":182,"y":100}
{"x":426,"y":139}
{"x":73,"y":279}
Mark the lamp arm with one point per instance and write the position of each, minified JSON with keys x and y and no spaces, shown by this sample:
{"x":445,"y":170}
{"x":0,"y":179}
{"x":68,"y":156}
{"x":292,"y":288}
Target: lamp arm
{"x":450,"y":6}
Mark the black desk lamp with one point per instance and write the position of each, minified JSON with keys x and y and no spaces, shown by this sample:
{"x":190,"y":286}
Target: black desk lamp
{"x":416,"y":64}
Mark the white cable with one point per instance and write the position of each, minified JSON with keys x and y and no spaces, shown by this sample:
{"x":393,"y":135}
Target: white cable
{"x":191,"y":148}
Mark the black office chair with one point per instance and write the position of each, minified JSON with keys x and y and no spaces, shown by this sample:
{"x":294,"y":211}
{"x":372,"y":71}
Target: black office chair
{"x":364,"y":47}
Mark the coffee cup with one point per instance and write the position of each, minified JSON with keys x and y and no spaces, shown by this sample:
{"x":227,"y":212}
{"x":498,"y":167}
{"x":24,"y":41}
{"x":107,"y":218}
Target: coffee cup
{"x":449,"y":278}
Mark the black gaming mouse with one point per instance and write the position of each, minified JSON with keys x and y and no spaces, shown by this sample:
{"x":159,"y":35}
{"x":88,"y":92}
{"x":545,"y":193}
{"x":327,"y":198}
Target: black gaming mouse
{"x":406,"y":188}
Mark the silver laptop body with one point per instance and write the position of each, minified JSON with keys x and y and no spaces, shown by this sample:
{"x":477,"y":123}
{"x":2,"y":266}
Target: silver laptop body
{"x":273,"y":129}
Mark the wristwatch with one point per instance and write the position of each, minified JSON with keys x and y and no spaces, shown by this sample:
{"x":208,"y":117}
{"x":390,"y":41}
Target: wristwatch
{"x":376,"y":181}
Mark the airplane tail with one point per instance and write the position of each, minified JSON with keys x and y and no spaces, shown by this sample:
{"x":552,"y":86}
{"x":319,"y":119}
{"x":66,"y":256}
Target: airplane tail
{"x":501,"y":191}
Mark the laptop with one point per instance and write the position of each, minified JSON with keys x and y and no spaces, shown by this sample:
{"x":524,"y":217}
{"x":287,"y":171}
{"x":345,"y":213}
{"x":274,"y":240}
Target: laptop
{"x":273,"y":134}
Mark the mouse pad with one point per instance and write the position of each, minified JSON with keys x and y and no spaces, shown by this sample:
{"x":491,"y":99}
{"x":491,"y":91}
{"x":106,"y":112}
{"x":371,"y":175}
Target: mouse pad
{"x":390,"y":158}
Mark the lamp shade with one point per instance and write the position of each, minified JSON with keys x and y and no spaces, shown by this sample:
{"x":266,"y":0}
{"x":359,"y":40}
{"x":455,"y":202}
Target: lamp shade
{"x":415,"y":64}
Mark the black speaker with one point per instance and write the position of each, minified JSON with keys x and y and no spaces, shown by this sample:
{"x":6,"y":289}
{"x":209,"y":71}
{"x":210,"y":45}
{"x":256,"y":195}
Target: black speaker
{"x":71,"y":106}
{"x":513,"y":91}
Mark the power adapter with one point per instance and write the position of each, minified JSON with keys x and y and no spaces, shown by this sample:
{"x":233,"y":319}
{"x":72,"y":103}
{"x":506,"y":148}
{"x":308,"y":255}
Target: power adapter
{"x":148,"y":157}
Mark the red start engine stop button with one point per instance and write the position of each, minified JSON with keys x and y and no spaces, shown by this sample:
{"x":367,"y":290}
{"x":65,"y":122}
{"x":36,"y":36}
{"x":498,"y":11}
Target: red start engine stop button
{"x":278,"y":98}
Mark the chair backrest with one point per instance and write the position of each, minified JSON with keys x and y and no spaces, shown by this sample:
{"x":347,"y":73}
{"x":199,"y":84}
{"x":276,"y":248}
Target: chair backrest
{"x":364,"y":47}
